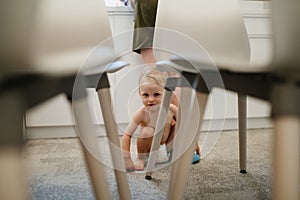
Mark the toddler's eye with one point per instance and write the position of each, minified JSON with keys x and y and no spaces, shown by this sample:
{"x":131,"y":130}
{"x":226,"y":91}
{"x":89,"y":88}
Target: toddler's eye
{"x":156,"y":94}
{"x":145,"y":95}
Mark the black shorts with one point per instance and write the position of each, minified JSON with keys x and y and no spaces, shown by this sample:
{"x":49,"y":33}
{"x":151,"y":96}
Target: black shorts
{"x":145,"y":16}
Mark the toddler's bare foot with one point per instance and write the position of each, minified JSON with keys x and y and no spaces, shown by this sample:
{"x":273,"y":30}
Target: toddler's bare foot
{"x":129,"y":165}
{"x":139,"y":165}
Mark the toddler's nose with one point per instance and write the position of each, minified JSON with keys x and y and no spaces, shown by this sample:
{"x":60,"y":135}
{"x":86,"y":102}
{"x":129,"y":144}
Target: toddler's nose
{"x":151,"y":98}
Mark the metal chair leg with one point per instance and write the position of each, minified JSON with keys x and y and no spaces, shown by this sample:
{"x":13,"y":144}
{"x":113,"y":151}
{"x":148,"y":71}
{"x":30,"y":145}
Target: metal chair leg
{"x":242,"y":111}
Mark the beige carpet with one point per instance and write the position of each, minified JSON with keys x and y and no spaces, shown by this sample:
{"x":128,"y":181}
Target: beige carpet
{"x":56,"y":171}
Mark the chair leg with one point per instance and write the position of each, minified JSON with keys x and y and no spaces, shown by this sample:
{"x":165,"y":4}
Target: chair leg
{"x":161,"y":120}
{"x":114,"y":144}
{"x":171,"y":84}
{"x":12,"y":182}
{"x":286,"y":158}
{"x":185,"y":141}
{"x":242,"y":110}
{"x":87,"y":133}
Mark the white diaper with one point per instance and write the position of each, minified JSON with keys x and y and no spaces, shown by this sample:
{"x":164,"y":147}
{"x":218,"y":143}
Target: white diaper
{"x":162,"y":155}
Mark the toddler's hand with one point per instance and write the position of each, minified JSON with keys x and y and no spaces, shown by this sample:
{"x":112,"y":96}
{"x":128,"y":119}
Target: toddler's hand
{"x":129,"y":164}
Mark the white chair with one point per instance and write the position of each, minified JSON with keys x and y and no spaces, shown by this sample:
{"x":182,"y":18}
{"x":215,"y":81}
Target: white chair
{"x":171,"y":27}
{"x":218,"y":26}
{"x":43,"y":45}
{"x":206,"y":32}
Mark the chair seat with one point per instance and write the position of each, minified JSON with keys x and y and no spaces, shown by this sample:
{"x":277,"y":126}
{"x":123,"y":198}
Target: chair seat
{"x":230,"y":78}
{"x":194,"y":65}
{"x":55,"y":38}
{"x":110,"y":67}
{"x":70,"y":62}
{"x":65,"y":63}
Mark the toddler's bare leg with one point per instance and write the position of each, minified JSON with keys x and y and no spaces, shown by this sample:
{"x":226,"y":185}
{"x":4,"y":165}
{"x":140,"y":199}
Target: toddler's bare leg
{"x":144,"y":142}
{"x":175,"y":96}
{"x":169,"y":138}
{"x":126,"y":140}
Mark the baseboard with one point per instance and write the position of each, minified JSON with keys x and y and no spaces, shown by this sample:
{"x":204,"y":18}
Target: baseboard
{"x":232,"y":124}
{"x":49,"y":132}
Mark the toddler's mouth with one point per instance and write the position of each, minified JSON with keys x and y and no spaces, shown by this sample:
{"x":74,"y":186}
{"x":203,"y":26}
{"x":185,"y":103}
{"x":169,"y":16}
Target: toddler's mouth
{"x":153,"y":106}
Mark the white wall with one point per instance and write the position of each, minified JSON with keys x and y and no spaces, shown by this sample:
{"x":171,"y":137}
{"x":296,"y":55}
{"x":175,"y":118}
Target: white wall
{"x":54,"y":118}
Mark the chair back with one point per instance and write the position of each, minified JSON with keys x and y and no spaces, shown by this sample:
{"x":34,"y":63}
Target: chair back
{"x":217,"y":25}
{"x":286,"y":36}
{"x":50,"y":34}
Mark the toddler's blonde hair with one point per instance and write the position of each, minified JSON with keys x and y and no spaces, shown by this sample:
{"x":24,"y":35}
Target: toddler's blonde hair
{"x":151,"y":74}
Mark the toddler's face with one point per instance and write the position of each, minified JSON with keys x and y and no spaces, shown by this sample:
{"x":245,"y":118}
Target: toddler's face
{"x":151,"y":94}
